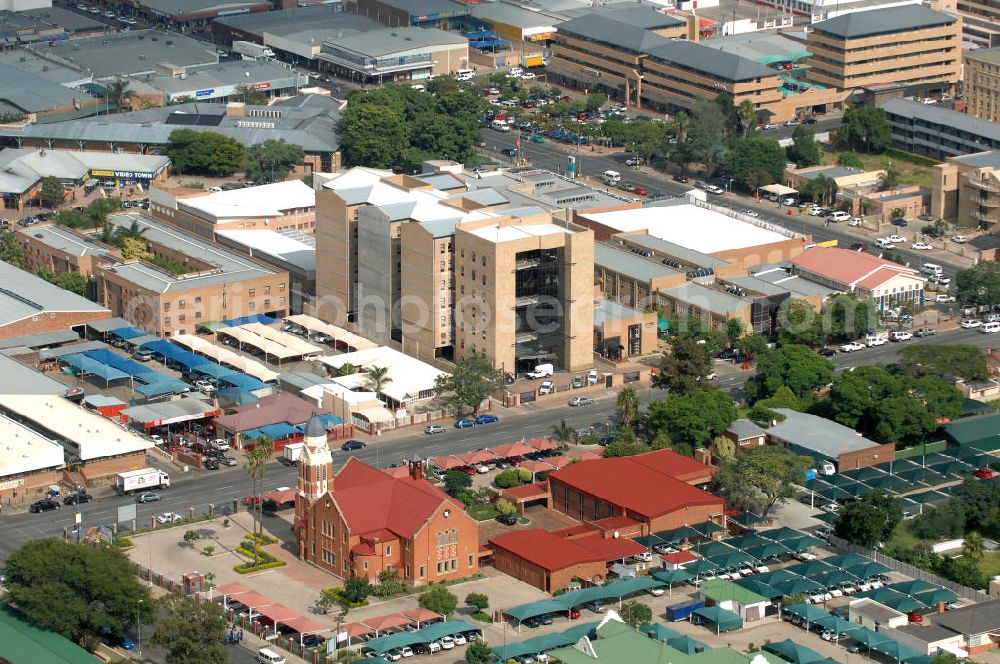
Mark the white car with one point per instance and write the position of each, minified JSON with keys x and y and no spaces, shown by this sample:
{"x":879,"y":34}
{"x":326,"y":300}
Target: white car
{"x":310,"y":358}
{"x":804,"y":556}
{"x":921,"y":246}
{"x":896,"y":238}
{"x":168,"y":517}
{"x":816,"y":211}
{"x":970,"y":323}
{"x":941,"y":297}
{"x":655,"y":592}
{"x":527,"y":76}
{"x":852,"y":346}
{"x":882,"y":243}
{"x":960,"y":239}
{"x":901,"y":336}
{"x":751,"y":213}
{"x":434,"y":647}
{"x":832,"y":508}
{"x":460,"y":640}
{"x":854,"y":221}
{"x":406,"y":651}
{"x":393,"y":655}
{"x":548,"y":387}
{"x":482,"y":469}
{"x":447,"y":642}
{"x":875,"y":341}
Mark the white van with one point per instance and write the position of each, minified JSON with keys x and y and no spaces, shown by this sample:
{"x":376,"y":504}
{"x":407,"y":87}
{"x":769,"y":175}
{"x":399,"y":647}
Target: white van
{"x":839,"y":216}
{"x":875,"y":340}
{"x":465,"y":74}
{"x":500,"y":125}
{"x":268,"y":656}
{"x":612,"y":177}
{"x":542,"y":370}
{"x":931,"y":268}
{"x":987,"y":328}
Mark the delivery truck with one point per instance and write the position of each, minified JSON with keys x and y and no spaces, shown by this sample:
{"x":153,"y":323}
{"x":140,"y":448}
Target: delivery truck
{"x":146,"y":479}
{"x":252,"y":51}
{"x":291,"y":453}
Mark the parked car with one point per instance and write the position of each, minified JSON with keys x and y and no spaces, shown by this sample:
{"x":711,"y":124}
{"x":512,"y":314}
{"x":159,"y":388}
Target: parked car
{"x":465,"y":423}
{"x":859,"y":246}
{"x":147,"y":497}
{"x":596,"y":606}
{"x":971,"y":323}
{"x":434,"y":428}
{"x":925,"y":332}
{"x":983,"y":473}
{"x":487,"y":419}
{"x":682,"y":178}
{"x":143,"y":355}
{"x":447,"y":642}
{"x":902,"y":223}
{"x":548,"y":387}
{"x":210,"y":463}
{"x":581,"y":401}
{"x":313,"y":640}
{"x":959,"y":239}
{"x":852,"y":346}
{"x":896,"y":239}
{"x":74,"y":498}
{"x":944,"y":298}
{"x":900,"y":335}
{"x":168,"y":517}
{"x":827,"y":352}
{"x":921,"y":246}
{"x":44,"y":505}
{"x":507,"y":519}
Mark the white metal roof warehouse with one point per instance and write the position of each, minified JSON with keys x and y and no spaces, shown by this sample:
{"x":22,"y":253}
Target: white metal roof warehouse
{"x":411,"y":379}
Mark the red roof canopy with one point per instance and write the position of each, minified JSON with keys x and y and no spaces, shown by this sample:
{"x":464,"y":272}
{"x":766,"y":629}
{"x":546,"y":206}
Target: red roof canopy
{"x":254,"y":600}
{"x":278,"y":613}
{"x":232,"y":589}
{"x":447,"y":462}
{"x":553,"y":553}
{"x":542,"y":444}
{"x":356,"y":629}
{"x":479,"y":456}
{"x":389,"y":621}
{"x":559,"y":461}
{"x":527,"y":491}
{"x":512,"y":450}
{"x":281,"y":495}
{"x":421,"y":615}
{"x":304,"y":625}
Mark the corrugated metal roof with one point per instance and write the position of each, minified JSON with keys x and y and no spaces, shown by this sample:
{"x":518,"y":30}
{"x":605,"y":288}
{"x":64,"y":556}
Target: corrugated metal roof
{"x":626,"y":263}
{"x":877,"y":21}
{"x":23,"y":295}
{"x":34,"y":94}
{"x":702,"y":59}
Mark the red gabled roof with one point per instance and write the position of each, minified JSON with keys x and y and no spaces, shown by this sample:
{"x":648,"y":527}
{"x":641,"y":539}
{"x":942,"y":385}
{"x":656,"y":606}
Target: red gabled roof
{"x":680,"y":557}
{"x":371,"y":500}
{"x":851,"y":267}
{"x":272,"y":409}
{"x":553,"y":553}
{"x":676,"y":465}
{"x":642,"y":486}
{"x":527,"y":491}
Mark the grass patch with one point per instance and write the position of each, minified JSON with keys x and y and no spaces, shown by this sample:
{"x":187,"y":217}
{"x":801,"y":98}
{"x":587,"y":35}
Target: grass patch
{"x":175,"y":268}
{"x":483,"y":512}
{"x":903,"y":537}
{"x":122,"y":543}
{"x":482,"y":616}
{"x":990,"y":564}
{"x":912,"y":169}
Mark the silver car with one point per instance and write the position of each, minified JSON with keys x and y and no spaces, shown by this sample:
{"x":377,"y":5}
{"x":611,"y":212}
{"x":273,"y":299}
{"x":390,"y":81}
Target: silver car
{"x":581,"y":401}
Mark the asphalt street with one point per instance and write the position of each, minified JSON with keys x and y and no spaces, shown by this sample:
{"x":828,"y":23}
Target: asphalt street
{"x":197,"y":489}
{"x":590,"y":165}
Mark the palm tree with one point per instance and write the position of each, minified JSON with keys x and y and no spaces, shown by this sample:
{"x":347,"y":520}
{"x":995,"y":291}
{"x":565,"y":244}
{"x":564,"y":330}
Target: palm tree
{"x":133,"y":231}
{"x":346,"y":369}
{"x":681,"y":125}
{"x":377,"y":378}
{"x":118,"y":91}
{"x":257,"y":457}
{"x":628,"y":406}
{"x":563,"y":432}
{"x":973,"y":548}
{"x":747,"y":113}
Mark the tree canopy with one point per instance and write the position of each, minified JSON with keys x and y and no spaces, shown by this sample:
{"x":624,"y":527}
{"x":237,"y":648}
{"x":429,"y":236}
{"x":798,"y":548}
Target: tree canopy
{"x":794,"y":366}
{"x":683,"y":368}
{"x":759,"y":478}
{"x":439,"y":600}
{"x":74,"y":282}
{"x":52,"y":191}
{"x":271,"y":161}
{"x":76,"y":591}
{"x":470,"y":383}
{"x":864,"y":130}
{"x":756,"y":161}
{"x":869,"y":520}
{"x":191,"y":631}
{"x":204,"y":153}
{"x":695,"y":417}
{"x":979,"y":285}
{"x":11,"y":251}
{"x":804,"y":150}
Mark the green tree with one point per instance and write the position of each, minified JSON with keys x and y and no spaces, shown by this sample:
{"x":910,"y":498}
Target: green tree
{"x":563,"y":432}
{"x":752,"y":345}
{"x":627,"y":403}
{"x":377,"y":379}
{"x":204,"y":153}
{"x":52,"y":191}
{"x":133,"y":231}
{"x":76,"y":591}
{"x":903,"y":419}
{"x":694,"y":418}
{"x":783,"y":397}
{"x":133,"y":248}
{"x":594,"y":101}
{"x":636,"y":613}
{"x":800,"y":324}
{"x":864,"y":130}
{"x":356,"y":589}
{"x":272,"y":160}
{"x":759,"y":478}
{"x":470,"y":383}
{"x":478,"y":601}
{"x":965,"y":360}
{"x":747,"y":113}
{"x":506,"y":479}
{"x":888,"y":182}
{"x":943,"y":521}
{"x":478,"y":652}
{"x":804,"y":150}
{"x":869,"y":520}
{"x":190,"y":631}
{"x":723,"y":447}
{"x":708,"y":134}
{"x":645,"y":138}
{"x":439,"y":600}
{"x":847,"y":317}
{"x":11,"y":251}
{"x":683,"y":368}
{"x":850,"y":159}
{"x":791,"y":365}
{"x":979,"y":285}
{"x":623,"y":449}
{"x":974,"y":548}
{"x":727,"y":107}
{"x":455,"y":481}
{"x":118,"y":92}
{"x":257,"y":458}
{"x":755,"y":155}
{"x":71,"y":281}
{"x":506,"y":505}
{"x":734,"y":330}
{"x":73,"y":219}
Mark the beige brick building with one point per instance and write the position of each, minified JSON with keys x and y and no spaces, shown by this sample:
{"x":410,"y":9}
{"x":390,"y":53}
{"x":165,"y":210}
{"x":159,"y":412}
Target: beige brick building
{"x":966,"y":189}
{"x":981,"y":84}
{"x":910,"y":48}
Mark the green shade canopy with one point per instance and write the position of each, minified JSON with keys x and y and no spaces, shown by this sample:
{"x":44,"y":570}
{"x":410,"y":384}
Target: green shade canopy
{"x":838,"y":480}
{"x":808,"y":612}
{"x":913,"y":587}
{"x":868,"y":638}
{"x":793,"y":652}
{"x":796,"y":586}
{"x":924,"y":475}
{"x":846,"y":560}
{"x":649,"y":541}
{"x":659,"y":632}
{"x":769,"y":550}
{"x":746,"y":518}
{"x":782,"y":534}
{"x":724,"y":620}
{"x":811,"y":568}
{"x":834,"y":493}
{"x":708,"y":528}
{"x":700,"y":566}
{"x":672,"y":576}
{"x":867,"y":570}
{"x":835,"y":578}
{"x":677,"y":534}
{"x":746,"y":541}
{"x":687,"y":645}
{"x":896,"y":650}
{"x":734,"y":559}
{"x":863,"y":474}
{"x":774,"y":576}
{"x":712,"y":549}
{"x":837,"y":625}
{"x":826,"y":518}
{"x":886,"y":483}
{"x":759,"y":587}
{"x":804,"y":543}
{"x":936,"y":596}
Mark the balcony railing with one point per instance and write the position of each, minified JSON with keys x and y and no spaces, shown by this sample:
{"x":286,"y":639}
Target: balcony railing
{"x":985,"y":185}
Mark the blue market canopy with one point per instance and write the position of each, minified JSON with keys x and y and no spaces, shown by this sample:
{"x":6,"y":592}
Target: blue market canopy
{"x":243,"y":381}
{"x":126,"y":333}
{"x":236,"y":396}
{"x":82,"y":364}
{"x":161,"y":387}
{"x":172,"y":351}
{"x":130,"y":367}
{"x":253,"y":318}
{"x":213,"y":369}
{"x":279,"y":430}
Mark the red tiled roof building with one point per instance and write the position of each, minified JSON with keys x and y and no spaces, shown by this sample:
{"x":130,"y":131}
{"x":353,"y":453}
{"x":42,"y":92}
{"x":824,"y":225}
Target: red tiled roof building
{"x":362,"y":520}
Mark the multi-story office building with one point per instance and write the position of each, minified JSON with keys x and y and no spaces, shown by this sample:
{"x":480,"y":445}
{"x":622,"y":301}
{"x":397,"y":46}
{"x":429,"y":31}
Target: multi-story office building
{"x":981,"y":84}
{"x":643,"y":57}
{"x":395,"y":54}
{"x":967,"y":189}
{"x":981,"y":21}
{"x":938,"y":132}
{"x":911,"y":48}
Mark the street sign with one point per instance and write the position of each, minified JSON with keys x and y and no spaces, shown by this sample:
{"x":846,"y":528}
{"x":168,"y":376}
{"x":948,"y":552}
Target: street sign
{"x":126,"y":513}
{"x":105,"y":534}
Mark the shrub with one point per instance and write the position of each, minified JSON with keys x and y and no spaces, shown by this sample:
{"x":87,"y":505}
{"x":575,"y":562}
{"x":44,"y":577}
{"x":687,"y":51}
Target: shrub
{"x":524,"y":475}
{"x":509,"y":478}
{"x":482,"y":616}
{"x":246,"y":568}
{"x":261,"y":539}
{"x":122,"y":542}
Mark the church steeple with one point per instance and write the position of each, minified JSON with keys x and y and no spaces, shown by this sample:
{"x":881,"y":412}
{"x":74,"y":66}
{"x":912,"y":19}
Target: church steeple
{"x":316,"y":462}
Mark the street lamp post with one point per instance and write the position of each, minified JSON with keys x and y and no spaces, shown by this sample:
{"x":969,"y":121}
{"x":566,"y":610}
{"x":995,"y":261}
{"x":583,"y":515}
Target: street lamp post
{"x":138,"y":629}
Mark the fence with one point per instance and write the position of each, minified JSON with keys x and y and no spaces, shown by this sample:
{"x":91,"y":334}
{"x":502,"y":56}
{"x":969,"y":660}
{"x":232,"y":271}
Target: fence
{"x":911,"y":571}
{"x":921,"y":450}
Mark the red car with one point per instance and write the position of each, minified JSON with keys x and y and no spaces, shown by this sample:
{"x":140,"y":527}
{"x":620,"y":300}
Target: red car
{"x":573,"y":614}
{"x":915,"y":617}
{"x":984,"y":473}
{"x":251,"y":500}
{"x":468,"y":470}
{"x":640,"y":190}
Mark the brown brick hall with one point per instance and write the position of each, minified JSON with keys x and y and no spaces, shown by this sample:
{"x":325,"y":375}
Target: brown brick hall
{"x":361,"y":520}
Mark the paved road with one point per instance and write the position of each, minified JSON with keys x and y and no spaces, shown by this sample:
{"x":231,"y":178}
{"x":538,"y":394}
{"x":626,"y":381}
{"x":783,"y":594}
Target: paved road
{"x":554,"y":156}
{"x":197,"y":489}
